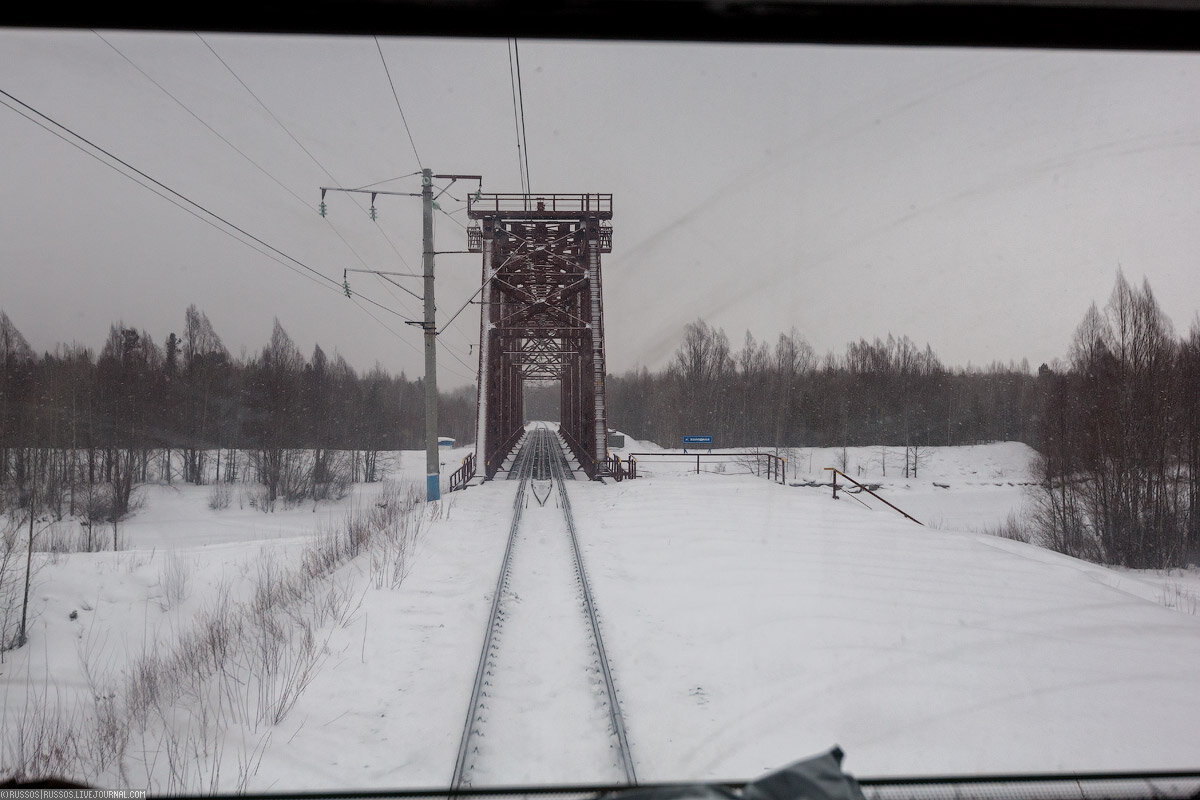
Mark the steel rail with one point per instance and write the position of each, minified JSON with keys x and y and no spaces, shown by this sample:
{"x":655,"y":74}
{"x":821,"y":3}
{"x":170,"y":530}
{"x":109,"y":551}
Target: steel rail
{"x":538,"y":455}
{"x":614,"y":708}
{"x":473,"y":709}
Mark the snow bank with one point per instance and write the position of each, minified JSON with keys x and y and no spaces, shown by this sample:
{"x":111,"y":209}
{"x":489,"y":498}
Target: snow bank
{"x":750,"y":623}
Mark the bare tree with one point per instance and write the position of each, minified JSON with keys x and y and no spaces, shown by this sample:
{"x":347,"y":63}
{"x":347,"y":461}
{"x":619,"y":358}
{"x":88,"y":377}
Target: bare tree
{"x":205,"y":362}
{"x":1115,"y":455}
{"x":275,"y":404}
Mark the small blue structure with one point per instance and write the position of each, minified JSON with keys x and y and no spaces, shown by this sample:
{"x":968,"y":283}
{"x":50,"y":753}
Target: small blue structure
{"x":445,"y":441}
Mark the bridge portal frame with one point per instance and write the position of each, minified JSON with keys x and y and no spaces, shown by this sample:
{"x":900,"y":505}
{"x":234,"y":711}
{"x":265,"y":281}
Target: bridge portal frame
{"x":542,"y":318}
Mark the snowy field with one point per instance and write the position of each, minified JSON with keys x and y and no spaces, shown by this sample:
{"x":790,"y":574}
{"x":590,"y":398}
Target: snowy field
{"x":748,"y":624}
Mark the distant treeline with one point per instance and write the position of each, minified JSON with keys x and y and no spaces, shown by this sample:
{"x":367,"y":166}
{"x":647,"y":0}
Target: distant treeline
{"x":189,"y":395}
{"x":1117,"y":424}
{"x":782,"y":394}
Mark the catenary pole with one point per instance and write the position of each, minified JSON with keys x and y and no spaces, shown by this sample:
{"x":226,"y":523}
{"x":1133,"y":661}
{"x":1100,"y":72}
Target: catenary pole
{"x":433,"y":489}
{"x":428,"y":324}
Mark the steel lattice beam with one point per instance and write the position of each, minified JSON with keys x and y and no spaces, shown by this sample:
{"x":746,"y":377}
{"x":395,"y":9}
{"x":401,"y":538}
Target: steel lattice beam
{"x":542,"y":317}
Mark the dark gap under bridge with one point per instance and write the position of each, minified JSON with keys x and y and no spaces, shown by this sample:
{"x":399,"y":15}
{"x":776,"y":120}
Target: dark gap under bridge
{"x":542,"y":318}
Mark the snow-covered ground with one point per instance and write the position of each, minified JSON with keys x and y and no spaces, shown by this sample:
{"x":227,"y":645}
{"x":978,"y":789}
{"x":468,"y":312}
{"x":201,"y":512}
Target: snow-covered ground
{"x":972,"y":487}
{"x":748,"y":624}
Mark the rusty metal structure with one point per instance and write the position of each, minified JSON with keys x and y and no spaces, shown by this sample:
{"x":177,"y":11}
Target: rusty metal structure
{"x":542,"y":318}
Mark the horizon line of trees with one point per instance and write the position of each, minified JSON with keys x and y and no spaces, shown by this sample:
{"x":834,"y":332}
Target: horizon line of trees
{"x":1116,"y":426}
{"x":96,"y":418}
{"x":782,"y":395}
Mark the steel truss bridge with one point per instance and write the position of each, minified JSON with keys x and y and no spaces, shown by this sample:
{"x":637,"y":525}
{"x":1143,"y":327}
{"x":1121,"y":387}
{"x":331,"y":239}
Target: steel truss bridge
{"x":542,"y":318}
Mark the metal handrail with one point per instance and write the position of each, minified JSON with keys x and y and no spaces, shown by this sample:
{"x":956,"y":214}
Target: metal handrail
{"x":620,"y":470}
{"x":460,"y":476}
{"x":590,"y":203}
{"x":837,"y":472}
{"x":776,"y":465}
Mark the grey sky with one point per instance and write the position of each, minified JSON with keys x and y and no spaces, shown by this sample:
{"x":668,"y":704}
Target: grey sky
{"x":974,"y":199}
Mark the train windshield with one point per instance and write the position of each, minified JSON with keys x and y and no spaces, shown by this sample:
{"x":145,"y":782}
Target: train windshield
{"x":394,"y":413}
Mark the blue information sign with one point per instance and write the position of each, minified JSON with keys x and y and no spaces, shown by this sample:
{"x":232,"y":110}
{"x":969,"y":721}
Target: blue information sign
{"x":706,"y":441}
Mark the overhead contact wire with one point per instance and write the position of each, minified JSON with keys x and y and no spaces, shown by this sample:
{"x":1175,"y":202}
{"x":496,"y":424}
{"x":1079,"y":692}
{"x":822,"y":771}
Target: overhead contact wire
{"x":521,"y":96}
{"x":314,"y":159}
{"x":403,"y":118}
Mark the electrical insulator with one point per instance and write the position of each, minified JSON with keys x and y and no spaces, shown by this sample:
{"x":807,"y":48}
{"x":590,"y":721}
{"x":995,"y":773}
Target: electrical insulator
{"x":372,"y":213}
{"x":322,"y":208}
{"x":346,"y":287}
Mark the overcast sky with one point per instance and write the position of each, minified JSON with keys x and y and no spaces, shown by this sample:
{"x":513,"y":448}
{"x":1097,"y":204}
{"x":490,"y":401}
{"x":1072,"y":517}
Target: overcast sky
{"x":977,"y":200}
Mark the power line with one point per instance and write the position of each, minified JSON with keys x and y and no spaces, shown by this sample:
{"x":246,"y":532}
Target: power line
{"x":386,"y":327}
{"x":512,"y":79}
{"x":452,"y":219}
{"x":399,"y":300}
{"x":154,"y":190}
{"x":314,"y":159}
{"x":319,"y":276}
{"x":156,"y":183}
{"x":403,"y":119}
{"x":389,"y":180}
{"x":197,"y":117}
{"x":263,"y":105}
{"x":473,"y":370}
{"x":220,"y":136}
{"x":410,"y":345}
{"x":521,"y":95}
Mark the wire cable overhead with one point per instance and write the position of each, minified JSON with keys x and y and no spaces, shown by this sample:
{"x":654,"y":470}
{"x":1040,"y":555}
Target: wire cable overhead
{"x":312,"y":157}
{"x":512,"y":78}
{"x":521,"y":98}
{"x":403,"y":119}
{"x":518,"y":98}
{"x":183,"y":201}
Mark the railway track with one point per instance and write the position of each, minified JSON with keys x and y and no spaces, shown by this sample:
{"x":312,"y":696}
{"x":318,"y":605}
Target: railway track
{"x":544,"y":705}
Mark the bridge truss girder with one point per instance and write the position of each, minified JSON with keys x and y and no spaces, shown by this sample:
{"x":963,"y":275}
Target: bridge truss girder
{"x":542,"y":318}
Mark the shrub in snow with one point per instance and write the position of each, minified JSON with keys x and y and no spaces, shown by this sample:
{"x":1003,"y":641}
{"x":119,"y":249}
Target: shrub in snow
{"x":219,"y":496}
{"x":258,"y":497}
{"x":237,"y":670}
{"x":174,"y":581}
{"x":1013,"y":527}
{"x":12,"y":582}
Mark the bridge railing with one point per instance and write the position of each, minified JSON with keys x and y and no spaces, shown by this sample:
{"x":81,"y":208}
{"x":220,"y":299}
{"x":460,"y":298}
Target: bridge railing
{"x":461,"y":476}
{"x":767,"y":465}
{"x":544,"y":203}
{"x":620,"y":470}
